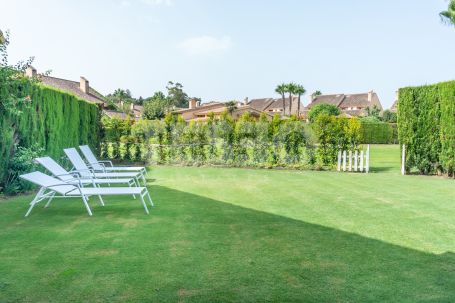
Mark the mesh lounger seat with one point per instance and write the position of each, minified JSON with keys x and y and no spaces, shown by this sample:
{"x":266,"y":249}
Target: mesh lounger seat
{"x":80,"y":165}
{"x":55,"y":188}
{"x":107,"y":166}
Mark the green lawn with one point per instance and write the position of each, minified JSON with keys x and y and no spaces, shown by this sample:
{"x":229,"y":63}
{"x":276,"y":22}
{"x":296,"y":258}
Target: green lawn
{"x":239,"y":235}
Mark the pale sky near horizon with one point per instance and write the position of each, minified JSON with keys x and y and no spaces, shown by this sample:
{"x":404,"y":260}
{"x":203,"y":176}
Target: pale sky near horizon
{"x":229,"y":50}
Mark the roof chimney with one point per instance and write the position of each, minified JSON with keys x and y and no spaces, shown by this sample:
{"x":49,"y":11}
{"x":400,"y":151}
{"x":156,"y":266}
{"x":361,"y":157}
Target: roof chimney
{"x":370,"y":96}
{"x":30,"y":72}
{"x":245,"y":102}
{"x":192,"y":104}
{"x":132,"y":106}
{"x":84,"y":86}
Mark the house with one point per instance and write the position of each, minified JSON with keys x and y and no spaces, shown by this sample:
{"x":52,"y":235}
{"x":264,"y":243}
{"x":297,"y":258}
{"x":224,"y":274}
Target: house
{"x":350,"y":105}
{"x":84,"y":91}
{"x":274,"y":106}
{"x":200,"y":112}
{"x":81,"y":89}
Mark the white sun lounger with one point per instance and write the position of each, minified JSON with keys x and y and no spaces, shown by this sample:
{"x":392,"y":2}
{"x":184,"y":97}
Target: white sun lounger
{"x":74,"y":177}
{"x":107,"y":166}
{"x":85,"y":171}
{"x":54,"y":188}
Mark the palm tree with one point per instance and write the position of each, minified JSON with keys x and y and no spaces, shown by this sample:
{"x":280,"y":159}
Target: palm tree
{"x":231,"y":106}
{"x":281,"y":89}
{"x":299,"y":90}
{"x":290,"y":88}
{"x":448,"y":16}
{"x":2,"y":37}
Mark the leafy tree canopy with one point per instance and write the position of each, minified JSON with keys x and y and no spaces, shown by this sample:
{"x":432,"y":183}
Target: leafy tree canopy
{"x":156,"y":106}
{"x":177,"y":97}
{"x":448,"y":16}
{"x":318,"y":109}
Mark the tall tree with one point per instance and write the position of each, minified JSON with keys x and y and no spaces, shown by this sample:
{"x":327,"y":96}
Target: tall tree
{"x":299,"y":90}
{"x":448,"y":16}
{"x":176,"y":95}
{"x":281,"y":89}
{"x":290,"y":89}
{"x":156,"y":106}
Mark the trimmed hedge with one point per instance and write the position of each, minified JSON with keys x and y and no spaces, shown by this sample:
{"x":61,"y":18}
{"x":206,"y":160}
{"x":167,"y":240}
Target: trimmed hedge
{"x":378,"y":133}
{"x":53,"y":120}
{"x":426,"y":125}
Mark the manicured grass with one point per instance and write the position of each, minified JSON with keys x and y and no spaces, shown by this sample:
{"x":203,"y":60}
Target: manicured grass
{"x":225,"y":235}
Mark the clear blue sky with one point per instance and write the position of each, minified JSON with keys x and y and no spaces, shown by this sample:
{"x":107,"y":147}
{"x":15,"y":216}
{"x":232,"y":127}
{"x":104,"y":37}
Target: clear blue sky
{"x":224,"y":50}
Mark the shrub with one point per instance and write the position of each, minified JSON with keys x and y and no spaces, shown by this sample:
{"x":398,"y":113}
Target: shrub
{"x":426,"y":125}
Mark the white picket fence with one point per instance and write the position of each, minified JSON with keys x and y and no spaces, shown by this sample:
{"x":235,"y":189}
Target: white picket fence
{"x":354,"y":161}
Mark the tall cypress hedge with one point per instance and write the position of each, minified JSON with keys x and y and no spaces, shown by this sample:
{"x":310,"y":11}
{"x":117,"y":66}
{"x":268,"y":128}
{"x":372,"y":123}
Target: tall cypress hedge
{"x":378,"y":132}
{"x":53,"y":120}
{"x":426,"y":125}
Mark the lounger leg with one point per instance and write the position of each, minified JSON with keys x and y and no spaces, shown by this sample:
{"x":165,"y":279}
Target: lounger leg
{"x":37,"y":197}
{"x":101,"y":200}
{"x":150,"y":198}
{"x":145,"y":205}
{"x":129,"y":184}
{"x":143,"y":179}
{"x":50,"y":199}
{"x":84,"y":199}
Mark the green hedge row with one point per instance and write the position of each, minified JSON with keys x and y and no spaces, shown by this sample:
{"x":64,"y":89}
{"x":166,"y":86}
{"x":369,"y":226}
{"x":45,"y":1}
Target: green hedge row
{"x":378,"y":133}
{"x":426,"y":125}
{"x":52,"y":120}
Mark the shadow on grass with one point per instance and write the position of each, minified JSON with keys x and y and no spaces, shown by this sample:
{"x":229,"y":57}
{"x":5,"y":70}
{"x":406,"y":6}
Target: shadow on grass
{"x":195,"y":249}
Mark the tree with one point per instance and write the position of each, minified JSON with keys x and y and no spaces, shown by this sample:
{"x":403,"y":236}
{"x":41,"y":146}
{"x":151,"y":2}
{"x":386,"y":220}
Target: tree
{"x":290,"y":89}
{"x":389,"y":116}
{"x":299,"y":90}
{"x":316,"y":93}
{"x":177,"y":97}
{"x":448,"y":16}
{"x":281,"y":89}
{"x":12,"y":80}
{"x":231,"y":106}
{"x":323,"y":108}
{"x":156,"y":106}
{"x":373,"y":112}
{"x":119,"y":98}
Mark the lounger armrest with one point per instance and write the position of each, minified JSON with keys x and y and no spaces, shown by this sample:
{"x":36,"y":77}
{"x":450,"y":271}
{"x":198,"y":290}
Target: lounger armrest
{"x":106,"y":161}
{"x":98,"y":163}
{"x":91,"y":171}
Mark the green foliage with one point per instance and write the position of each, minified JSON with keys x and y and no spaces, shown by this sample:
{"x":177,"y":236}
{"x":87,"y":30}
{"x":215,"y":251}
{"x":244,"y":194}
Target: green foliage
{"x":242,"y":143}
{"x":374,"y":131}
{"x":156,"y":106}
{"x":448,"y":16}
{"x":389,"y":116}
{"x":323,"y":108}
{"x":426,"y":125}
{"x":52,"y":120}
{"x":177,"y":97}
{"x":335,"y":134}
{"x":22,"y":162}
{"x":373,"y":112}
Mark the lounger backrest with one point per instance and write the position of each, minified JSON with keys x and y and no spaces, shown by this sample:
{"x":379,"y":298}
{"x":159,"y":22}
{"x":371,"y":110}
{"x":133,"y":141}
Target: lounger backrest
{"x":77,"y":161}
{"x":88,"y":154}
{"x":44,"y":180}
{"x":54,"y":168}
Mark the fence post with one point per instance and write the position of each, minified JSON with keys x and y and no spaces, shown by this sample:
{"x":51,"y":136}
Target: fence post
{"x":350,"y":160}
{"x":367,"y":164}
{"x":403,"y":160}
{"x":344,"y":160}
{"x":356,"y":160}
{"x":361,"y":161}
{"x":339,"y":161}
